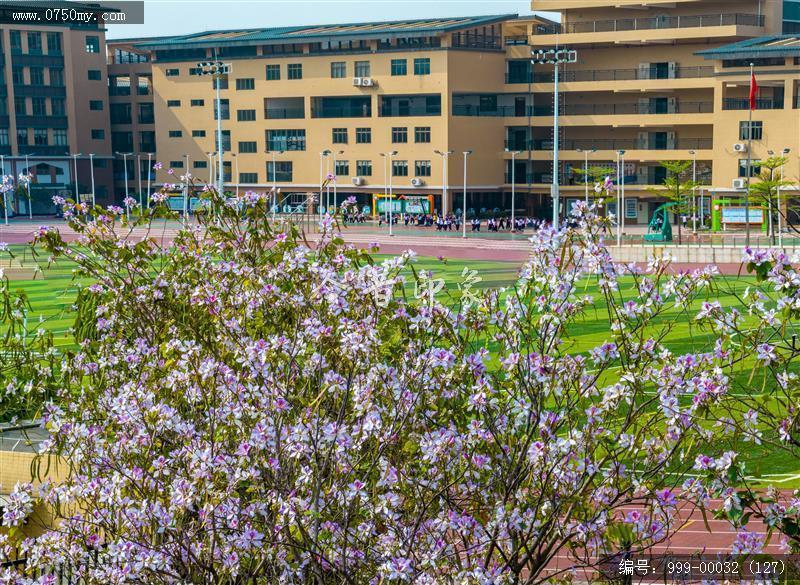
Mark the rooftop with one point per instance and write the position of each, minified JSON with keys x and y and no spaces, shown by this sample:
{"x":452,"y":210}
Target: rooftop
{"x":295,"y":34}
{"x":757,"y":48}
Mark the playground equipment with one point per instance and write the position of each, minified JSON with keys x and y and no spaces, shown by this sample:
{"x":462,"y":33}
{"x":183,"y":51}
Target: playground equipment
{"x":659,"y":229}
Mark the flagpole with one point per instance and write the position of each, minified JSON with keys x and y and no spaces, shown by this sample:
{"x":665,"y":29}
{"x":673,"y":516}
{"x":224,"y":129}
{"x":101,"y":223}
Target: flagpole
{"x":749,"y":159}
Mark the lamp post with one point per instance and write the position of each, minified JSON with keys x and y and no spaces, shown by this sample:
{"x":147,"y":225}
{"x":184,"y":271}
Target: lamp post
{"x":445,"y":155}
{"x":125,"y":156}
{"x":620,"y":195}
{"x":149,"y":176}
{"x":275,"y":181}
{"x":586,"y":172}
{"x":75,"y":170}
{"x":694,"y":190}
{"x":211,"y":178}
{"x":514,"y":154}
{"x":334,"y":178}
{"x":186,"y":189}
{"x":464,"y":207}
{"x":217,"y":70}
{"x":387,"y":159}
{"x":324,"y":155}
{"x":554,"y":57}
{"x":139,"y":179}
{"x":91,"y":174}
{"x":236,"y":171}
{"x":780,"y":223}
{"x":2,"y":176}
{"x":28,"y":177}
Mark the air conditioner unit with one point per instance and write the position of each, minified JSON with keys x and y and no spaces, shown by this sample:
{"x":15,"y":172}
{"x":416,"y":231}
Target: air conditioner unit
{"x":739,"y":184}
{"x":358,"y":81}
{"x":415,"y":182}
{"x":358,"y":181}
{"x":367,"y":82}
{"x":740,"y":147}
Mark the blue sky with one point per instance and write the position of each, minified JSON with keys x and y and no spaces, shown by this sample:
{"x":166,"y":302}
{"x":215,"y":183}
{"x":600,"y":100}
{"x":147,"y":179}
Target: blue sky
{"x":166,"y":17}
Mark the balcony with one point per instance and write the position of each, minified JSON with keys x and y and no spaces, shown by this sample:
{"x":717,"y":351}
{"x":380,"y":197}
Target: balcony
{"x":611,"y":144}
{"x":744,"y":104}
{"x":42,"y":121}
{"x":147,"y":147}
{"x":284,"y":113}
{"x":413,"y":110}
{"x":119,"y":90}
{"x":662,"y":22}
{"x":31,"y":60}
{"x":41,"y":150}
{"x":612,"y":75}
{"x":40,"y":90}
{"x":585,"y":109}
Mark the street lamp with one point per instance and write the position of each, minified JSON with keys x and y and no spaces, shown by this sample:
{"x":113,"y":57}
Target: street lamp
{"x":75,"y":170}
{"x":211,"y":178}
{"x":2,"y":177}
{"x":28,"y":177}
{"x":186,"y":189}
{"x":445,"y":155}
{"x":387,"y":164}
{"x":620,"y":195}
{"x":554,"y":57}
{"x":217,"y":70}
{"x":586,"y":171}
{"x":464,"y":207}
{"x":334,"y":178}
{"x":324,"y":155}
{"x":91,"y":173}
{"x":514,"y":154}
{"x":149,"y":176}
{"x":139,"y":181}
{"x":125,"y":156}
{"x":275,"y":181}
{"x":694,"y":190}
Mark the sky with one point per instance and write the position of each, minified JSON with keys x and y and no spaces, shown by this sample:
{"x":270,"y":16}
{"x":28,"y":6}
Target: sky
{"x":170,"y":17}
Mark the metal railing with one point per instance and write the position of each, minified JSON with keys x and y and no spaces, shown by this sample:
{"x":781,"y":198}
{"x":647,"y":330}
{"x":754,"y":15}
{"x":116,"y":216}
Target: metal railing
{"x":354,"y":112}
{"x":40,"y":90}
{"x":584,"y":109}
{"x":284,"y":113}
{"x":611,"y":144}
{"x":744,"y":104}
{"x":119,"y":90}
{"x":572,"y":75}
{"x":388,"y":112}
{"x":42,"y":121}
{"x":664,"y":22}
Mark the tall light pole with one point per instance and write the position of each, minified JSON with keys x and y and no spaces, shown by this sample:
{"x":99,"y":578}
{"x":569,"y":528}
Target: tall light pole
{"x":139,"y":182}
{"x":324,"y":155}
{"x":217,"y":70}
{"x":91,"y":174}
{"x":586,"y":172}
{"x":387,"y":159}
{"x":125,"y":156}
{"x":2,"y":177}
{"x":554,"y":57}
{"x":75,"y":170}
{"x":186,"y":189}
{"x":620,"y":195}
{"x":694,"y":190}
{"x":464,"y":206}
{"x":514,"y":154}
{"x":236,"y":171}
{"x":28,"y":178}
{"x":445,"y":155}
{"x":334,"y":178}
{"x":275,"y":181}
{"x":211,"y":178}
{"x":149,"y":176}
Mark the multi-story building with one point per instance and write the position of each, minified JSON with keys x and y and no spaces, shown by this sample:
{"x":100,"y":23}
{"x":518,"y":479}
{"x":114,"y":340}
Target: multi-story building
{"x":359,"y":91}
{"x":53,"y":107}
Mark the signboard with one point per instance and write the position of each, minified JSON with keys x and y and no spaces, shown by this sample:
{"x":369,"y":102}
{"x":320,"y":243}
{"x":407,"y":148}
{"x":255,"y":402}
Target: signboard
{"x":396,"y":205}
{"x":739,"y":215}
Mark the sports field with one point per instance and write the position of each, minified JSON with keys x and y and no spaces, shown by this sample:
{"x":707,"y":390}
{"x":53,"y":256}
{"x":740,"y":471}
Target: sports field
{"x":52,"y":292}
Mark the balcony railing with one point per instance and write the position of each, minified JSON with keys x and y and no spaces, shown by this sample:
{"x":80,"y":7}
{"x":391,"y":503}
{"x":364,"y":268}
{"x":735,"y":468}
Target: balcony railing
{"x":354,"y":112}
{"x":585,"y":109}
{"x":42,"y":150}
{"x":284,"y":113}
{"x":119,"y":90}
{"x":516,"y":40}
{"x":612,"y":144}
{"x":42,"y":121}
{"x":147,"y":147}
{"x":40,"y":90}
{"x":411,"y":111}
{"x":663,"y":22}
{"x":744,"y":104}
{"x":612,"y":75}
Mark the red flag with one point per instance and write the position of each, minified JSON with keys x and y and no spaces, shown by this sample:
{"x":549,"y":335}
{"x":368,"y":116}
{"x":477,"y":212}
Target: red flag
{"x":753,"y":91}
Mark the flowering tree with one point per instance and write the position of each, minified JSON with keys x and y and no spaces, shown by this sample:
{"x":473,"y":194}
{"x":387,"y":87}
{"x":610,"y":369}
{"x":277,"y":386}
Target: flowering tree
{"x":247,"y":408}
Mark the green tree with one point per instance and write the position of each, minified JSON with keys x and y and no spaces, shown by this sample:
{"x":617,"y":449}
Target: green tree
{"x":677,"y":188}
{"x":765,"y":191}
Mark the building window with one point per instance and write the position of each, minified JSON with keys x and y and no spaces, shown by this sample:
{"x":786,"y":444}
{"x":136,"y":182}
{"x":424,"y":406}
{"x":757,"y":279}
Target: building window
{"x":120,"y":113}
{"x":53,"y":43}
{"x":246,"y":115}
{"x":273,"y":72}
{"x":363,"y":135}
{"x":221,"y":81}
{"x":22,"y":136}
{"x":198,"y":133}
{"x":339,"y":136}
{"x":226,"y":140}
{"x":279,"y":171}
{"x":18,"y":76}
{"x":172,"y":72}
{"x":422,"y":66}
{"x":56,"y":77}
{"x":57,"y":106}
{"x":20,"y":106}
{"x":225,"y":106}
{"x":195,"y":71}
{"x":422,"y":134}
{"x":755,"y":168}
{"x":294,"y":71}
{"x":196,"y":103}
{"x":758,"y":130}
{"x":362,"y":68}
{"x":176,"y":164}
{"x":399,"y":67}
{"x":173,"y":103}
{"x":250,"y":178}
{"x":422,"y":168}
{"x":92,"y":44}
{"x":60,"y":137}
{"x":286,"y":140}
{"x":248,"y":147}
{"x":399,"y":135}
{"x":96,"y":105}
{"x":341,"y":168}
{"x":40,"y":136}
{"x":16,"y":41}
{"x":39,"y":106}
{"x":175,"y":133}
{"x":245,"y":83}
{"x":399,"y":168}
{"x":4,"y":139}
{"x":338,"y":69}
{"x":37,"y":75}
{"x":95,"y":75}
{"x":200,"y":164}
{"x":34,"y":43}
{"x":364,"y":168}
